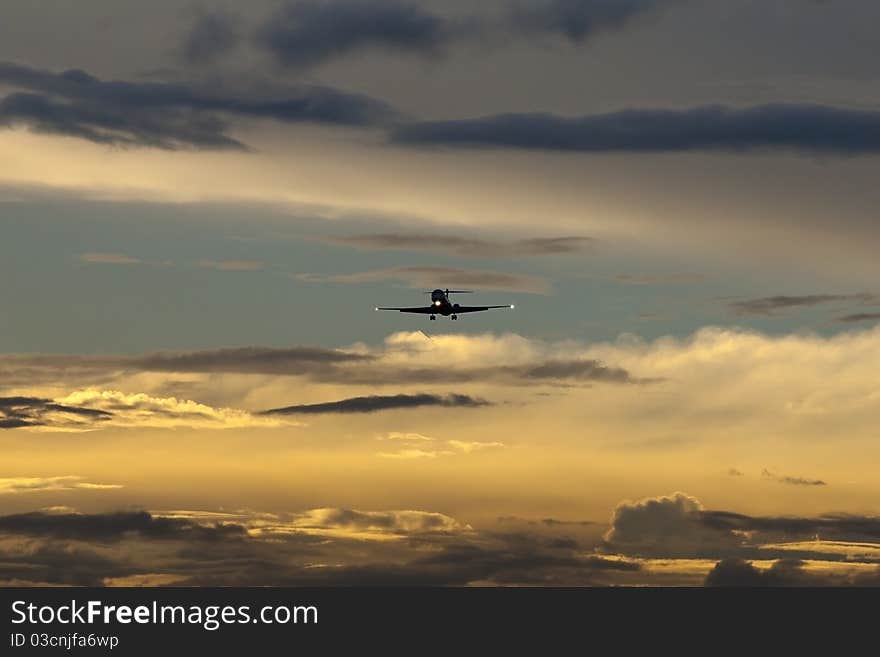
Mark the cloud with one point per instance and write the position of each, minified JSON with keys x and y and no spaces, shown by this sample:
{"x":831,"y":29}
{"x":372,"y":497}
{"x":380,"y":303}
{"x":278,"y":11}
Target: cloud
{"x":165,"y":115}
{"x":19,"y":412}
{"x":406,"y":522}
{"x":93,"y":409}
{"x":470,"y":446}
{"x":231,"y":265}
{"x":212,"y":35}
{"x":735,"y":572}
{"x":738,"y":572}
{"x":440,"y":448}
{"x":860,"y":317}
{"x":245,"y":360}
{"x":769,"y":529}
{"x":335,"y":546}
{"x":113,"y":526}
{"x":678,"y":526}
{"x":398,"y":435}
{"x":109,"y":259}
{"x":303,"y":33}
{"x":769,"y":305}
{"x":412,"y":453}
{"x":431,"y":276}
{"x":658,"y":279}
{"x":374,"y":403}
{"x":320,"y":547}
{"x":405,"y":358}
{"x":522,"y":560}
{"x":669,"y":525}
{"x":142,"y":411}
{"x":813,"y":129}
{"x":553,"y":522}
{"x":583,"y":370}
{"x":19,"y":485}
{"x":794,"y":481}
{"x":144,"y":579}
{"x":467,"y":246}
{"x":75,"y":370}
{"x":578,"y":20}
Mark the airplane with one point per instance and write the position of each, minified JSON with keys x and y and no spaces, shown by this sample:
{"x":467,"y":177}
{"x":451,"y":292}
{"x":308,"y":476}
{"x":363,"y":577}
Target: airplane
{"x":441,"y":305}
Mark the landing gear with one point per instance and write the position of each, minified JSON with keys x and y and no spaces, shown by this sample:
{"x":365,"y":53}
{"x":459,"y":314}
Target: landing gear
{"x":433,"y":317}
{"x":455,"y":317}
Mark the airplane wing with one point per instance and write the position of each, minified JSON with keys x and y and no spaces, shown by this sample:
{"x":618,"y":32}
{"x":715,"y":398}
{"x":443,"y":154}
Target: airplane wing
{"x":476,"y":309}
{"x":426,"y":310}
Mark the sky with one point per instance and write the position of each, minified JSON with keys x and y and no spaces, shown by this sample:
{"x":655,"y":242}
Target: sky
{"x":201,"y":206}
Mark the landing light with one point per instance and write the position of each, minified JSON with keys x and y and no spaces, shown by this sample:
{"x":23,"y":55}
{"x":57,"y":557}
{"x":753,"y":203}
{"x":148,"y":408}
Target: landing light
{"x":512,"y":306}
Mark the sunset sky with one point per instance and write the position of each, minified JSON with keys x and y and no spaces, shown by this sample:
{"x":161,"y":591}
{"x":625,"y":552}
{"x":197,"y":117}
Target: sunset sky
{"x":201,"y":203}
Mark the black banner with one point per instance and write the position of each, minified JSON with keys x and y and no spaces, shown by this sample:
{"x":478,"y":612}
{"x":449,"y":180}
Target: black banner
{"x":149,"y":621}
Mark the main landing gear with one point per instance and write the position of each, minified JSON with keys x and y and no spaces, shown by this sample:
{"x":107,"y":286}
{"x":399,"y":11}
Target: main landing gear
{"x":433,"y":317}
{"x":455,"y":317}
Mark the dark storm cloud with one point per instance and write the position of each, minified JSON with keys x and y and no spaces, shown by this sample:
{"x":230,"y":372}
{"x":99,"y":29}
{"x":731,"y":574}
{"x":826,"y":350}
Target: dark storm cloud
{"x":59,"y":564}
{"x":768,"y":305}
{"x":738,"y":572}
{"x":791,"y":127}
{"x":95,"y":548}
{"x":355,"y":548}
{"x":794,"y":481}
{"x":246,"y":360}
{"x":553,"y":522}
{"x":306,"y":32}
{"x":523,"y":559}
{"x":238,"y":360}
{"x":834,"y":527}
{"x":455,"y":561}
{"x":15,"y":423}
{"x":113,"y":526}
{"x":584,"y":370}
{"x":547,"y":522}
{"x":18,"y":412}
{"x":467,"y":246}
{"x":577,"y":20}
{"x":784,"y":572}
{"x":165,"y":115}
{"x":373,"y":403}
{"x":213,"y":34}
{"x":860,"y":317}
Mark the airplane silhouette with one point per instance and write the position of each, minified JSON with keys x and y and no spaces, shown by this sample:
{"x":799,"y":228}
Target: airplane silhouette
{"x":441,"y":305}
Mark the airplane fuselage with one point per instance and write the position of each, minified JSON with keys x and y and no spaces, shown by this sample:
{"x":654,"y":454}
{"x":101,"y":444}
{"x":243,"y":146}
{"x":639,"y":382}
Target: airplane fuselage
{"x":441,"y":302}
